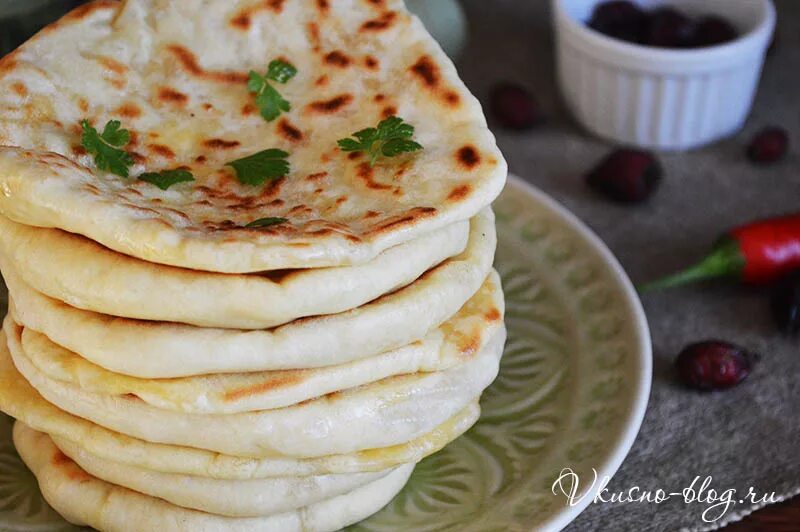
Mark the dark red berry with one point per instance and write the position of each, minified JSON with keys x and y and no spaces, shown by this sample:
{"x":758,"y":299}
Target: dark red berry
{"x":514,"y":107}
{"x":619,"y":19}
{"x":768,"y":145}
{"x":713,"y":30}
{"x":713,"y":365}
{"x":669,"y":28}
{"x":786,"y":303}
{"x":626,"y":175}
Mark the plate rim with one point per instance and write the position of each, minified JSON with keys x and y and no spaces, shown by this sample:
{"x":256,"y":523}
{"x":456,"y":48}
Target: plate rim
{"x":641,"y":393}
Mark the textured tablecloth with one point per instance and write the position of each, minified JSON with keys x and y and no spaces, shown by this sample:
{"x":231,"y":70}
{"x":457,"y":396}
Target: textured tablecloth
{"x":748,"y":436}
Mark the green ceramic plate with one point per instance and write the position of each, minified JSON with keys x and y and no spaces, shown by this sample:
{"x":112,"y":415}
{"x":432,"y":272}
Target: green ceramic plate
{"x":572,"y":391}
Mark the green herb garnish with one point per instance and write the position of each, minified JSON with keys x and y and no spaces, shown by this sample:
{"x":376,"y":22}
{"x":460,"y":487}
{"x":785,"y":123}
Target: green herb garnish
{"x":166,"y":178}
{"x":269,"y":100}
{"x":266,"y":222}
{"x":391,"y":137}
{"x":262,"y":166}
{"x":106,"y":147}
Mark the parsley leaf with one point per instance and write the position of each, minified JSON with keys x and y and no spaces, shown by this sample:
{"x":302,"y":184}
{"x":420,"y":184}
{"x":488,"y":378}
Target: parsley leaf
{"x":167,"y":178}
{"x":281,"y":71}
{"x":262,"y":166}
{"x":265,"y":222}
{"x":268,"y":99}
{"x":392,"y":137}
{"x":106,"y":147}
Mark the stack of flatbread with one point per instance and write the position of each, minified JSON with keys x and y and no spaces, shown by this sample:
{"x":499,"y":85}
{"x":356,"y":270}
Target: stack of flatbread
{"x":248,"y":246}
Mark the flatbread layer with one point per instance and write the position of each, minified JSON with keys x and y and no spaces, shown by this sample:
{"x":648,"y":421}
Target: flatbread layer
{"x":176,"y":75}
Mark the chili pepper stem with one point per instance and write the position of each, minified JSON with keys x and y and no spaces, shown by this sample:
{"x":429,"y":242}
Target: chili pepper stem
{"x":726,"y":260}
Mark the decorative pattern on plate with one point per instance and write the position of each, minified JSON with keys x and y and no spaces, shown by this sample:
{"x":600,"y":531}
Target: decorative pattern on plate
{"x":571,"y":391}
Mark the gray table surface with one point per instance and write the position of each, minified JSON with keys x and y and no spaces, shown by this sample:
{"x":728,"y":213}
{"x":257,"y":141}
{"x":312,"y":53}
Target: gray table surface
{"x":748,"y":436}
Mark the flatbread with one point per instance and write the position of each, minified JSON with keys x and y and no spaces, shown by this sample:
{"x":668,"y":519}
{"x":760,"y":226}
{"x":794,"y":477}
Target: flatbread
{"x":19,"y":400}
{"x":164,"y":350}
{"x":233,"y":498}
{"x":175,"y":74}
{"x":381,"y":414}
{"x":86,"y":275}
{"x":457,"y":340}
{"x":84,"y":500}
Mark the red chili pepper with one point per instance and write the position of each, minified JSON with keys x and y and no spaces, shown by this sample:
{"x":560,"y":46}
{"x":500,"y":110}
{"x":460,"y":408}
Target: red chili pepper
{"x":755,"y":253}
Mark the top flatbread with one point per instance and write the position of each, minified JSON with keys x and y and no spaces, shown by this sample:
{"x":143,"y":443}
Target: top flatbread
{"x":175,"y":74}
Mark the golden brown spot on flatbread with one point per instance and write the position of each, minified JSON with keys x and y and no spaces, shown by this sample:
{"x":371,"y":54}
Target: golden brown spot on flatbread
{"x":366,"y":173}
{"x":189,"y":62}
{"x":289,"y":131}
{"x":244,"y":18}
{"x":19,"y":88}
{"x":493,"y":315}
{"x":87,"y":9}
{"x":8,"y":62}
{"x":323,"y":5}
{"x":410,"y":217}
{"x":298,"y":210}
{"x":163,"y":151}
{"x":275,"y":5}
{"x":468,"y":157}
{"x":331,"y":106}
{"x":248,"y":109}
{"x":469,"y":346}
{"x":201,"y":159}
{"x":427,"y":71}
{"x":381,"y":23}
{"x":118,"y":84}
{"x":316,"y":177}
{"x":340,"y":200}
{"x":322,"y":80}
{"x":112,"y":64}
{"x":371,"y":63}
{"x":241,"y":21}
{"x":379,"y":98}
{"x":313,"y":35}
{"x":221,"y":144}
{"x":170,"y":95}
{"x":459,"y":193}
{"x":337,"y":58}
{"x":129,"y":110}
{"x":389,"y":110}
{"x":353,"y":155}
{"x":134,"y":138}
{"x":79,"y":151}
{"x":207,"y":107}
{"x":371,"y":214}
{"x":132,"y":397}
{"x":282,"y":379}
{"x":68,"y":467}
{"x":83,"y":105}
{"x":452,"y":97}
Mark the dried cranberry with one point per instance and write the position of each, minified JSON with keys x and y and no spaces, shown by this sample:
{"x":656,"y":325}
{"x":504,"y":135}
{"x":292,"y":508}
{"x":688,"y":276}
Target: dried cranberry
{"x":619,"y":19}
{"x":768,"y":145}
{"x":713,"y":365}
{"x":786,"y":303}
{"x":514,"y":107}
{"x":626,"y":175}
{"x":713,"y":30}
{"x":669,"y":28}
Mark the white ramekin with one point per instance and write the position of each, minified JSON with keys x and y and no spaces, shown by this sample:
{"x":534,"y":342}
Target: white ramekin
{"x":661,"y":98}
